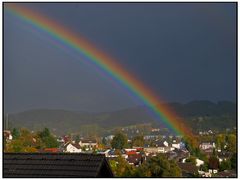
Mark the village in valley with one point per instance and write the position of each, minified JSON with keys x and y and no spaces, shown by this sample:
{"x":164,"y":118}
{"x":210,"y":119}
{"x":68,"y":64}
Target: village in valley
{"x":129,"y":151}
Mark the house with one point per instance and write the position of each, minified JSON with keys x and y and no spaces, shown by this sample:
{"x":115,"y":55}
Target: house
{"x":8,"y":135}
{"x":155,"y":129}
{"x":111,"y":153}
{"x":151,"y":150}
{"x":164,"y":149}
{"x":135,"y":159}
{"x":162,"y":143}
{"x":223,"y":156}
{"x":213,"y":171}
{"x":199,"y":162}
{"x":57,"y":165}
{"x":155,"y":150}
{"x":178,"y":155}
{"x":109,"y":137}
{"x":150,"y":137}
{"x":162,"y":146}
{"x":176,"y":143}
{"x":104,"y":152}
{"x":207,"y":145}
{"x":204,"y":174}
{"x":66,"y":139}
{"x":205,"y":132}
{"x":88,"y":144}
{"x":60,"y":140}
{"x":72,"y":148}
{"x":138,"y":149}
{"x":130,"y":151}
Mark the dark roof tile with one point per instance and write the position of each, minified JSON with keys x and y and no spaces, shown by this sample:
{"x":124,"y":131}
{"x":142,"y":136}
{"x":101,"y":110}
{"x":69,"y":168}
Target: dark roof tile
{"x":55,"y":165}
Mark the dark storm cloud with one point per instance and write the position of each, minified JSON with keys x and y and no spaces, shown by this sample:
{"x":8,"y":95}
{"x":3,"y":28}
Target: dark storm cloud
{"x":181,"y":51}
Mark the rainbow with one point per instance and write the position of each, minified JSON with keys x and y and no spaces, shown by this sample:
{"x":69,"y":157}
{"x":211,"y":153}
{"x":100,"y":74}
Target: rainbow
{"x":104,"y":62}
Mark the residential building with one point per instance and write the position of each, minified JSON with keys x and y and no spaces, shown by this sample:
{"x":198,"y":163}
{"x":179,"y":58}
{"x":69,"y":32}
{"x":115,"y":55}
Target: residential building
{"x":176,"y":143}
{"x":207,"y":145}
{"x":223,"y":156}
{"x":66,"y":139}
{"x":72,"y":148}
{"x":135,"y":159}
{"x":178,"y":155}
{"x":88,"y":144}
{"x":109,"y":137}
{"x":155,"y":150}
{"x":7,"y":135}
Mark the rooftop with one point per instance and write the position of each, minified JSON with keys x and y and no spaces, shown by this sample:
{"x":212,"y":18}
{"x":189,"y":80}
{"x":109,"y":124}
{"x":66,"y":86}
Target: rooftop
{"x":55,"y":165}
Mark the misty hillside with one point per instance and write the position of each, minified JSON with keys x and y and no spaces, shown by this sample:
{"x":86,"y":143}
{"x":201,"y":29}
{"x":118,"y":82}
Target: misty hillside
{"x":197,"y":114}
{"x":70,"y":121}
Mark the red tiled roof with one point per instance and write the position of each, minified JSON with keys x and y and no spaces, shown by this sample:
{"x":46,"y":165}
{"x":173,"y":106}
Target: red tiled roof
{"x":131,"y":152}
{"x":135,"y":159}
{"x":139,"y":149}
{"x":53,"y":150}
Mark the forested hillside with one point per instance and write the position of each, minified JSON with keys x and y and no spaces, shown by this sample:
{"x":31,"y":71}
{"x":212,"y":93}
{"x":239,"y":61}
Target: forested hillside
{"x":200,"y":115}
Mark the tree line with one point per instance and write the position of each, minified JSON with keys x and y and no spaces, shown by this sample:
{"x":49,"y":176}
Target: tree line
{"x":26,"y":141}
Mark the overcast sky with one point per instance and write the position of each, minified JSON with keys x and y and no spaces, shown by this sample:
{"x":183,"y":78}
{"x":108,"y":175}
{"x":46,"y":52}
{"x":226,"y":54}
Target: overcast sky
{"x":183,"y":52}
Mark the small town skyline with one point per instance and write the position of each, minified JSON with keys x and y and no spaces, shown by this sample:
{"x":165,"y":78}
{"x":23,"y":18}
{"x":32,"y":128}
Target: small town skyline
{"x":213,"y":157}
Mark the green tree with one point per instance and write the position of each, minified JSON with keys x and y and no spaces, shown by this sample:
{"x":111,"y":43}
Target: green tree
{"x":24,"y":132}
{"x":231,"y":143}
{"x":192,"y":145}
{"x":119,"y":141}
{"x":233,"y":161}
{"x":26,"y":142}
{"x":44,"y":133}
{"x":225,"y":165}
{"x":203,"y":167}
{"x":202,"y":156}
{"x":138,"y":141}
{"x":15,"y":146}
{"x":104,"y":141}
{"x":159,"y":166}
{"x":31,"y":142}
{"x":220,"y":141}
{"x":15,"y":133}
{"x":50,"y":142}
{"x":121,"y":168}
{"x":77,"y":139}
{"x":48,"y":139}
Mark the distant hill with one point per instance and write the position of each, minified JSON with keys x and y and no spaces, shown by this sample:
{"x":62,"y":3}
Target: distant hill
{"x":69,"y":121}
{"x":197,"y":114}
{"x":205,"y":115}
{"x":205,"y":108}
